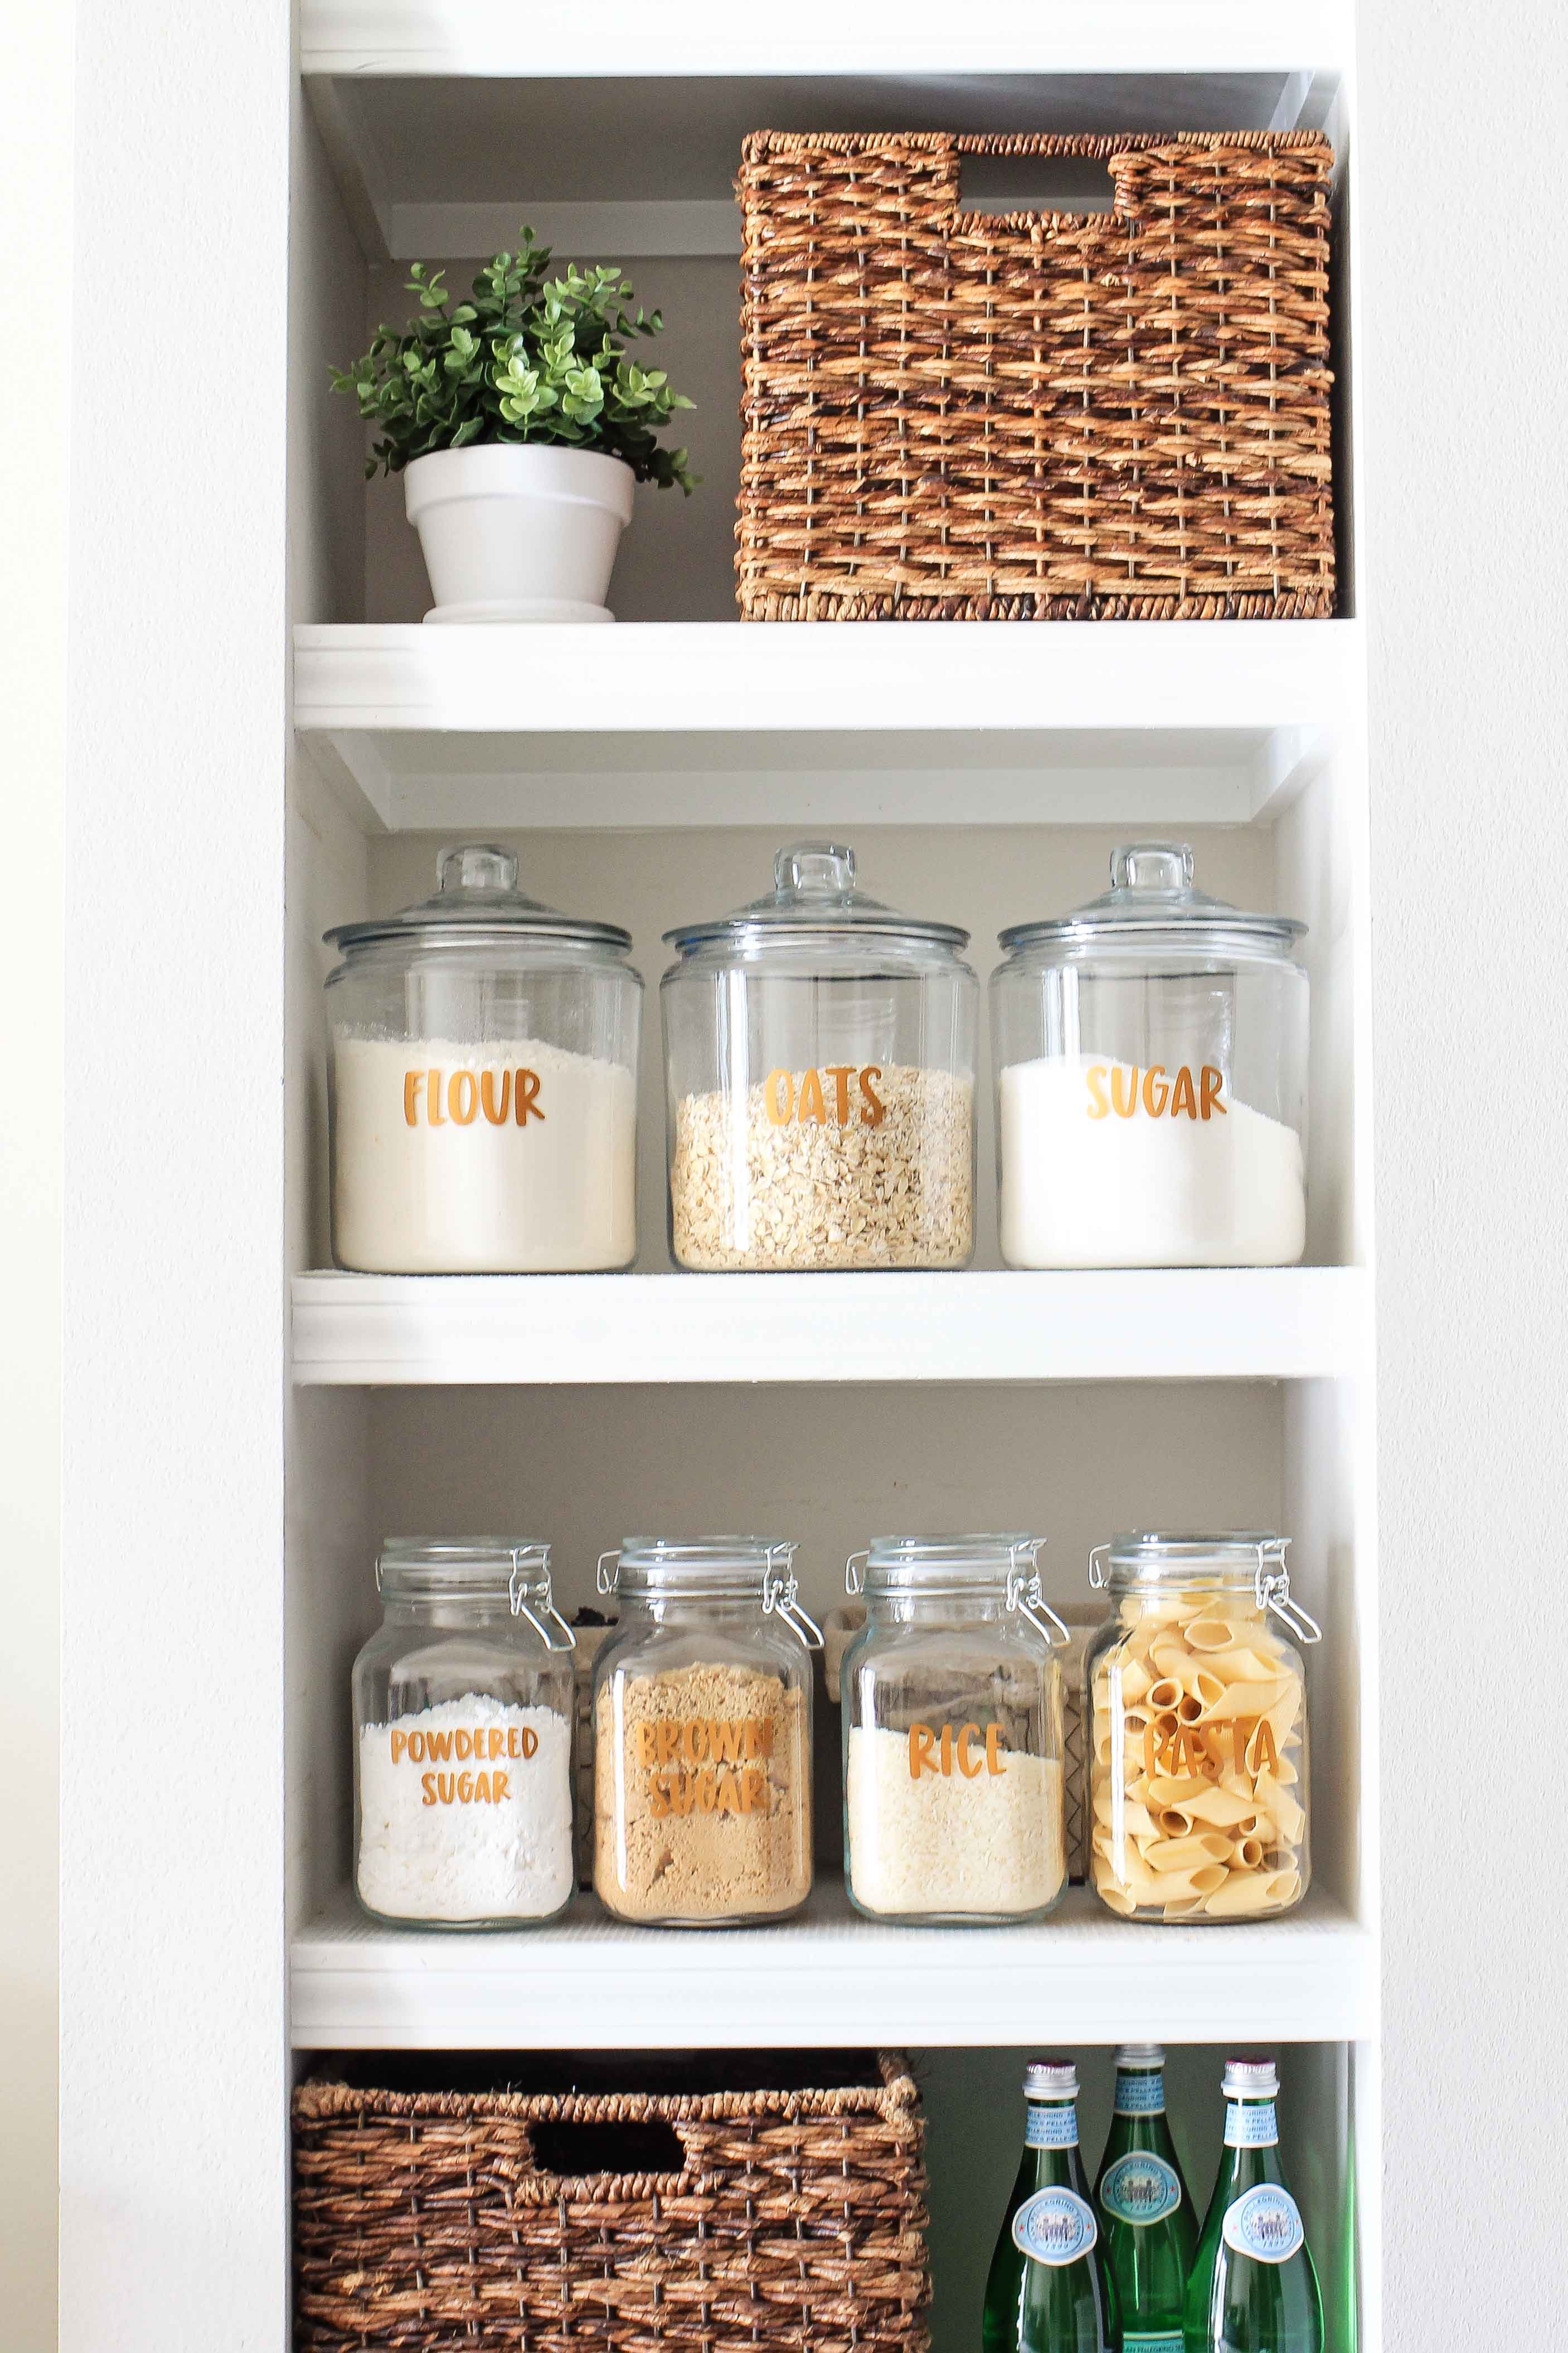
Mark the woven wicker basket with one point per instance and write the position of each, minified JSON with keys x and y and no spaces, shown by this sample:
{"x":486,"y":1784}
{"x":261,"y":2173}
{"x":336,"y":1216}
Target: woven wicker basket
{"x":1111,"y":415}
{"x":784,"y":2218}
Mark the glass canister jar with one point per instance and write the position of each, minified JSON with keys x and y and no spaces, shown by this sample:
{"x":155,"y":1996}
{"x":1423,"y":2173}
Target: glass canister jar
{"x":463,"y":1707}
{"x":819,"y":1052}
{"x":1197,"y":1729}
{"x":954,"y":1802}
{"x":1151,"y":1057}
{"x":702,"y":1733}
{"x":482,"y":1083}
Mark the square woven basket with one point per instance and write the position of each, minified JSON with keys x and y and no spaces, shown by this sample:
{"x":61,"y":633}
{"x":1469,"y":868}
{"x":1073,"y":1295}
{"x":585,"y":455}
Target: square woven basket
{"x":722,"y":2221}
{"x":1089,"y":417}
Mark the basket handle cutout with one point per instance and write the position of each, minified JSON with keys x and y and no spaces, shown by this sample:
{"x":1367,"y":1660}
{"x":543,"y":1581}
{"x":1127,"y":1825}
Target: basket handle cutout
{"x":576,"y":2149}
{"x":1005,"y":186}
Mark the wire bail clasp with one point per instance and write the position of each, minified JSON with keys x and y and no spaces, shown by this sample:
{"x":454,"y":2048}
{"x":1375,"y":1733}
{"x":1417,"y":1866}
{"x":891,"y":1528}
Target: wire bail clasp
{"x":855,"y":1572}
{"x":607,"y":1579}
{"x":1025,"y":1593}
{"x":1271,"y":1586}
{"x":517,"y":1591}
{"x":780,"y":1592}
{"x":1098,"y":1557}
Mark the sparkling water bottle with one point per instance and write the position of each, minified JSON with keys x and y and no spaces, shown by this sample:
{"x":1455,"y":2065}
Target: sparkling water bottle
{"x":1147,"y":2225}
{"x":1252,"y":2288}
{"x":1050,"y":2290}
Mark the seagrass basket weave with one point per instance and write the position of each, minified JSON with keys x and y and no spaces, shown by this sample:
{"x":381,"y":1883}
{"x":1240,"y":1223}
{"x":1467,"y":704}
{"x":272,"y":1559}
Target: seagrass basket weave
{"x":778,"y":2218}
{"x":1016,"y":416}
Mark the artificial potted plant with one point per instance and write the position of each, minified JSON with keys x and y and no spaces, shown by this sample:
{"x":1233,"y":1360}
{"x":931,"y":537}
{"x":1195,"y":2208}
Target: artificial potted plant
{"x":519,"y":427}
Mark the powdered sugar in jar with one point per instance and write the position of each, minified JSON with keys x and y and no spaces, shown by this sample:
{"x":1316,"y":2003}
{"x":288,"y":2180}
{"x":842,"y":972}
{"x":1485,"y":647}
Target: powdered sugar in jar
{"x":463,"y":1711}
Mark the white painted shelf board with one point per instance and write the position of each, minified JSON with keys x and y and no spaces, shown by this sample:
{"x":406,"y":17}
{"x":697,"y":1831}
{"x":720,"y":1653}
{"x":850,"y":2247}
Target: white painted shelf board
{"x":829,"y":1977}
{"x":701,"y":723}
{"x":1275,"y":1324}
{"x":475,"y":38}
{"x":448,"y":121}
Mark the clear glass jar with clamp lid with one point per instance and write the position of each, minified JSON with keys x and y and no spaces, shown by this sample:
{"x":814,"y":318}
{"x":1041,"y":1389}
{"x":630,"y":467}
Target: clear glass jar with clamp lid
{"x":702,"y":1733}
{"x":954,"y":1802}
{"x":463,"y":1707}
{"x":1197,"y":1729}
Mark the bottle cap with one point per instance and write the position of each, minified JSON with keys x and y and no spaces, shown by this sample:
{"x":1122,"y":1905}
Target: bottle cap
{"x":1250,"y":2078}
{"x":1050,"y":2079}
{"x":1139,"y":2054}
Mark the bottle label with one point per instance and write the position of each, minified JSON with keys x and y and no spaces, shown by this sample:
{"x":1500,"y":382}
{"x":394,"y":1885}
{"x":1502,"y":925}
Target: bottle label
{"x":1158,"y":2341}
{"x":1140,"y":2188}
{"x":1265,"y":2223}
{"x":1055,"y":2227}
{"x":1251,"y":2126}
{"x":1053,"y":2127}
{"x":1142,"y":2096}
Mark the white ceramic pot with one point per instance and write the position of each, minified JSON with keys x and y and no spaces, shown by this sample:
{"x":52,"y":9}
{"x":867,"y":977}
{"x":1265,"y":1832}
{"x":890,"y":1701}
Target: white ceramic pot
{"x":512,"y":534}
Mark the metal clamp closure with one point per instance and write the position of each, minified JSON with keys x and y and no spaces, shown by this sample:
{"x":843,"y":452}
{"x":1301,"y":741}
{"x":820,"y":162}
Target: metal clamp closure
{"x":1272,"y":1587}
{"x":780,"y":1592}
{"x":607,"y":1579}
{"x":855,"y":1572}
{"x":1098,"y":1557}
{"x":517,"y":1588}
{"x":1025,"y":1594}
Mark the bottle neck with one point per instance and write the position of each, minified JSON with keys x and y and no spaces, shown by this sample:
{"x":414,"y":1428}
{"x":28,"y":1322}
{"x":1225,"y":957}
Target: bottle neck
{"x":1051,"y":2124}
{"x":1140,"y":2091}
{"x":1251,"y":2145}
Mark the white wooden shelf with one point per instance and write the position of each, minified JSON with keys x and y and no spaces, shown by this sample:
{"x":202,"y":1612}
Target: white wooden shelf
{"x":703,"y":723}
{"x":829,"y":1977}
{"x":1279,"y":1323}
{"x":445,"y":123}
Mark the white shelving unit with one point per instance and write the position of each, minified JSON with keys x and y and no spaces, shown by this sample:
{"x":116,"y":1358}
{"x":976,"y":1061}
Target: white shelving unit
{"x":645,"y":770}
{"x":357,"y":1988}
{"x":1284,"y":1324}
{"x":913,"y":723}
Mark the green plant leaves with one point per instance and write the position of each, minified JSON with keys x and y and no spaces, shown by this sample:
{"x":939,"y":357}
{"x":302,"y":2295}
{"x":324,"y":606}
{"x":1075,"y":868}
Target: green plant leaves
{"x":527,"y":358}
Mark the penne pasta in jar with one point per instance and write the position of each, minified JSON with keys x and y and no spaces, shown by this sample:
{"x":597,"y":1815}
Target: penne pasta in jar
{"x":1197,"y":1730}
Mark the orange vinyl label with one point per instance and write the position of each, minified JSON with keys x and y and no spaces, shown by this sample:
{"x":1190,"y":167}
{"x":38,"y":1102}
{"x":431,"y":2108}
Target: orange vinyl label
{"x":835,"y":1096}
{"x":435,"y":1098}
{"x":965,"y":1749}
{"x":705,"y":1764}
{"x":1126,"y":1090}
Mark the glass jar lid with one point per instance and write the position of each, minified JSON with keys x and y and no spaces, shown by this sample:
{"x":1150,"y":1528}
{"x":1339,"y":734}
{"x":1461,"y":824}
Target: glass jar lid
{"x":1153,"y":901}
{"x":711,"y":1568}
{"x":482,"y":1571}
{"x":1233,"y":1561}
{"x":815,"y":900}
{"x":477,"y":902}
{"x":896,"y":1568}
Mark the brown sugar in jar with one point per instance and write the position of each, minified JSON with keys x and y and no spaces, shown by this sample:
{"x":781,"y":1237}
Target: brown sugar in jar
{"x":702,"y":1737}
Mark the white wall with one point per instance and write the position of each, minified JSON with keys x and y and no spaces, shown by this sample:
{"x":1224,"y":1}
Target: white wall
{"x":174,"y":2066}
{"x":1464,"y":229}
{"x":35,"y":237}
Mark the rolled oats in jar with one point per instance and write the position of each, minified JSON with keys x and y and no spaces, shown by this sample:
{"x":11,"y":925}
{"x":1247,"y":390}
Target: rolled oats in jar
{"x":820,"y":1063}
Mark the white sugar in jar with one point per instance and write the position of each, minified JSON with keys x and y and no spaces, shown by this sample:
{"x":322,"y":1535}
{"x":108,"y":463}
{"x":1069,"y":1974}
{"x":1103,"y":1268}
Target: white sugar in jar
{"x":483,"y":1085}
{"x":465,"y":1718}
{"x":1151,"y":1056}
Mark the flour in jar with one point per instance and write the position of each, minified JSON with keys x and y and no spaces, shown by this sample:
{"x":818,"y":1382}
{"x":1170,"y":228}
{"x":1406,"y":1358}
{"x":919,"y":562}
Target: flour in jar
{"x":1083,"y":1186}
{"x":465,"y":1813}
{"x":509,"y":1158}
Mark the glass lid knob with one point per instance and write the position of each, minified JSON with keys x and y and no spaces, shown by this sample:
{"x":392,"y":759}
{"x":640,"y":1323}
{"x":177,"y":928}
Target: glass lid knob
{"x":815,"y":869}
{"x":476,"y":866}
{"x":1152,"y":866}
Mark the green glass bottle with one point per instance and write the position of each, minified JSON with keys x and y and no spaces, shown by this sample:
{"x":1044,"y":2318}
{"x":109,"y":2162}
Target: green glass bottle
{"x":1049,"y":2290}
{"x":1253,"y":2288}
{"x":1147,"y":2225}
